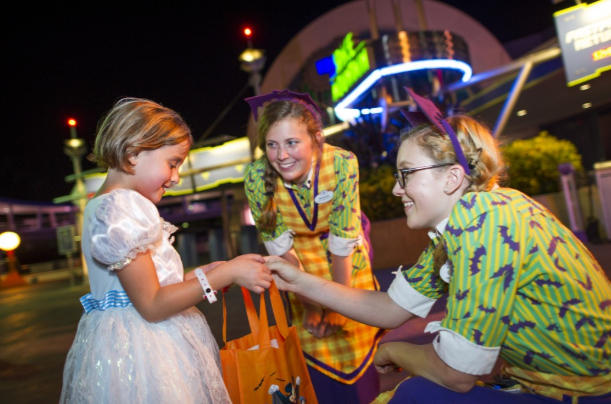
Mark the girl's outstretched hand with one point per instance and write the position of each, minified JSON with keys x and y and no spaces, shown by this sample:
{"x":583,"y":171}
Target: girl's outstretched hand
{"x":285,"y":274}
{"x":249,"y":271}
{"x":383,"y":361}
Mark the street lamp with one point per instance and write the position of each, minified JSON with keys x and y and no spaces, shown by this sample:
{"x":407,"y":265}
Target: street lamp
{"x":253,"y":61}
{"x":9,"y":241}
{"x":75,"y":148}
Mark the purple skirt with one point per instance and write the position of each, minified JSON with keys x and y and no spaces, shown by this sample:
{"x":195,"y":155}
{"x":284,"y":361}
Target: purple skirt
{"x":330,"y":391}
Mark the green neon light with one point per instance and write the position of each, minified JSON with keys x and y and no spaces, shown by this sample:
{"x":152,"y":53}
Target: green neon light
{"x":351,"y":63}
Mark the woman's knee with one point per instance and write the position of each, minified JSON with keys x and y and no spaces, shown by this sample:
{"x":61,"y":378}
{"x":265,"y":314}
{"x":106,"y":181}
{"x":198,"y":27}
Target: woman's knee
{"x":415,"y":390}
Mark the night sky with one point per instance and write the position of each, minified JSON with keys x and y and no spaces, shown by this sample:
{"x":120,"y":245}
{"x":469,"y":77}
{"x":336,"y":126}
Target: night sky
{"x":66,"y":59}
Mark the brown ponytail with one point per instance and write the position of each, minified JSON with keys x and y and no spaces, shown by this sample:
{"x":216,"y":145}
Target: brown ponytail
{"x":267,"y":220}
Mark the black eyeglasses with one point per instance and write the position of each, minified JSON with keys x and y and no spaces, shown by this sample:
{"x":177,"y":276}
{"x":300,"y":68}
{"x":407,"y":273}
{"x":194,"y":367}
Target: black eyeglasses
{"x":407,"y":171}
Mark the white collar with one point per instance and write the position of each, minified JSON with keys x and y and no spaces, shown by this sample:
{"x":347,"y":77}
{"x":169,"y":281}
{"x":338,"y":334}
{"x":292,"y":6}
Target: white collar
{"x":439,"y":229}
{"x":308,"y":183}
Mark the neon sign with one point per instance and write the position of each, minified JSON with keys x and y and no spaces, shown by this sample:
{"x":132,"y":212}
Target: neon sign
{"x":342,"y":109}
{"x":351,"y":63}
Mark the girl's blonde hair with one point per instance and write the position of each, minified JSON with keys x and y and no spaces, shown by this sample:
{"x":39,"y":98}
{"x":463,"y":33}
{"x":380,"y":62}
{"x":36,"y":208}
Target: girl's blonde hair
{"x":272,"y":115}
{"x":481,"y":150}
{"x":135,"y":125}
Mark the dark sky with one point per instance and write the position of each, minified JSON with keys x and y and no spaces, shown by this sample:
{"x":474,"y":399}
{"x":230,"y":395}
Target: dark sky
{"x":64,"y":59}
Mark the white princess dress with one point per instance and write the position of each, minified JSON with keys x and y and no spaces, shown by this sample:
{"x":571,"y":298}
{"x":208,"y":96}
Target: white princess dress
{"x":117,"y":356}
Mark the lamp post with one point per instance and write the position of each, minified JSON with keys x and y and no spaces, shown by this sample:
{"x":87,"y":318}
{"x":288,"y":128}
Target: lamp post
{"x":252,"y":61}
{"x":9,"y":241}
{"x":75,"y":148}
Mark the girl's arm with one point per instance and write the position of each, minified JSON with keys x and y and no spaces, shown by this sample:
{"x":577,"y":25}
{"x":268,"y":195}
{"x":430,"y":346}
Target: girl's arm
{"x":156,"y":303}
{"x":341,"y":272}
{"x":366,"y":306}
{"x":422,"y":360}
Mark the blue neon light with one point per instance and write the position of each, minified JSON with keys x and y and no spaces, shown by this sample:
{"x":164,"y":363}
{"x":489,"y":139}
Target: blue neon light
{"x":343,"y":112}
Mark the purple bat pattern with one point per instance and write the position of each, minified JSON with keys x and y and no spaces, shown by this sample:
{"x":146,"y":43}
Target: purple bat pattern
{"x":586,"y":286}
{"x":505,"y":319}
{"x":554,"y":243}
{"x":460,"y":295}
{"x":454,"y":232}
{"x":476,"y":259}
{"x":457,"y":249}
{"x":548,"y":282}
{"x":565,"y":306}
{"x":477,"y":336}
{"x":553,"y":327}
{"x":480,"y":223}
{"x":521,"y":324}
{"x":534,"y":250}
{"x":528,"y":358}
{"x":604,"y":304}
{"x":581,"y":357}
{"x":499,"y":203}
{"x":414,"y":280}
{"x":506,"y":270}
{"x":515,"y":246}
{"x":602,"y":339}
{"x":557,"y":264}
{"x":467,"y":205}
{"x":583,"y":322}
{"x":339,"y":208}
{"x":351,"y":228}
{"x":597,"y":372}
{"x":486,"y":310}
{"x":534,"y":224}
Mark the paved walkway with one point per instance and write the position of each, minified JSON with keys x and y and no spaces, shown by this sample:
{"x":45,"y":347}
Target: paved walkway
{"x":39,"y":322}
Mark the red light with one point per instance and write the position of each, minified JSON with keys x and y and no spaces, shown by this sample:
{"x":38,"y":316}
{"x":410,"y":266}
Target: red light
{"x":72,"y":122}
{"x":247,"y":31}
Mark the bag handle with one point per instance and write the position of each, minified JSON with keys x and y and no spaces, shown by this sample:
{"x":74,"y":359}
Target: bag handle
{"x":259,"y":327}
{"x":251,"y":312}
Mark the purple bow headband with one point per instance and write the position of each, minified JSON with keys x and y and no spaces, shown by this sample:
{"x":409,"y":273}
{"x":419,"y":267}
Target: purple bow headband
{"x":430,"y":114}
{"x":284,"y":95}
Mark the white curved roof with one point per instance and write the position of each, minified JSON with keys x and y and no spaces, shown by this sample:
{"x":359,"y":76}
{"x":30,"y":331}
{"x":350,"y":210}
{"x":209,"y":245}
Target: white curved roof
{"x":486,"y":52}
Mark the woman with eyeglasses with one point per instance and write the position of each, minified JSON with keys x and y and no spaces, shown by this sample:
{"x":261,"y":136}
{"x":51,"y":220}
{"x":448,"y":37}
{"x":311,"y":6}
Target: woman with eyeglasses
{"x":520,"y":285}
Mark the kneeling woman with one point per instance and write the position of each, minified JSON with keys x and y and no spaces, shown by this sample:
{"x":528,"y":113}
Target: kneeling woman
{"x":520,"y":285}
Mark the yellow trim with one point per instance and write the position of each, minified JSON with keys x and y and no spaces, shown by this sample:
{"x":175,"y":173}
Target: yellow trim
{"x":589,"y":77}
{"x":567,"y":10}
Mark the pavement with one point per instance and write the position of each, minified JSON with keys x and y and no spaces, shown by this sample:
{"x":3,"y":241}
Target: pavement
{"x":39,"y":322}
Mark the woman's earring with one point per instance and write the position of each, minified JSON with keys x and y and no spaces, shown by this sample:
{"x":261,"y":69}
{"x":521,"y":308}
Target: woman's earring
{"x":445,"y":190}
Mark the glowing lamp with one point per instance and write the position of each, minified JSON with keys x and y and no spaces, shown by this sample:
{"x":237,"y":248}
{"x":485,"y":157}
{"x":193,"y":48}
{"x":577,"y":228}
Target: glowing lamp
{"x":247,"y":32}
{"x":71,"y":122}
{"x":9,"y":241}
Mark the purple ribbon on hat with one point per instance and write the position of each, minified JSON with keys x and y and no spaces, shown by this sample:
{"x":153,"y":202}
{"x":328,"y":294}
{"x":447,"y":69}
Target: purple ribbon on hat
{"x":430,"y":114}
{"x":284,"y":95}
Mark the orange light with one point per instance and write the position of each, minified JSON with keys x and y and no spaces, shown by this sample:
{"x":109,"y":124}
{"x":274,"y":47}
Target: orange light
{"x":72,"y":122}
{"x":247,"y":31}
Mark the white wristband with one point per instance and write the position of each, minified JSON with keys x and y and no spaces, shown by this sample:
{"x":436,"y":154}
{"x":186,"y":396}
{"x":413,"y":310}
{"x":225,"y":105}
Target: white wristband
{"x":203,"y":280}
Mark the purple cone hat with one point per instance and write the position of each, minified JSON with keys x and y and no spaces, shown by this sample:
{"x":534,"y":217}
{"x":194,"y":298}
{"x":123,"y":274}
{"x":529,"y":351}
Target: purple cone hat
{"x":430,"y":114}
{"x":284,"y":95}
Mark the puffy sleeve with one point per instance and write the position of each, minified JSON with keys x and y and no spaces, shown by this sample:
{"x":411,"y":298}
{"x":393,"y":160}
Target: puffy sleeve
{"x":254,"y":186}
{"x":125,"y":224}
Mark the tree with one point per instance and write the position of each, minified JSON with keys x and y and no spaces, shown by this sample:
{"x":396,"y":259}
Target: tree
{"x":533,"y":163}
{"x":377,"y":200}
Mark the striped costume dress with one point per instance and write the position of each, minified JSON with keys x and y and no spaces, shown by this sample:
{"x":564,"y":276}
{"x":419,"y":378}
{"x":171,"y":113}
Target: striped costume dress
{"x":314,"y":226}
{"x":520,"y":286}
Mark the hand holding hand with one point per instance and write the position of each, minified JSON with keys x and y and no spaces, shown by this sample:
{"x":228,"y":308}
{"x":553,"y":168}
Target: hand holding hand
{"x":331,"y":323}
{"x":249,"y":271}
{"x":383,"y":362}
{"x":285,"y":274}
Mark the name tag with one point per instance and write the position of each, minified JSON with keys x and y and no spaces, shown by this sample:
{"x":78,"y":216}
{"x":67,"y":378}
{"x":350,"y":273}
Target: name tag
{"x":324,"y":196}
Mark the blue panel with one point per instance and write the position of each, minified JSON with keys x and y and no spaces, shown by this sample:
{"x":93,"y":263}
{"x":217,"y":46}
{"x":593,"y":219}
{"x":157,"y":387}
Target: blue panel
{"x":326,"y":66}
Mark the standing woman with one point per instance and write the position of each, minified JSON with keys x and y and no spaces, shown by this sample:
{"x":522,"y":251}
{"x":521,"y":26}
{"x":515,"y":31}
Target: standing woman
{"x":304,"y":197}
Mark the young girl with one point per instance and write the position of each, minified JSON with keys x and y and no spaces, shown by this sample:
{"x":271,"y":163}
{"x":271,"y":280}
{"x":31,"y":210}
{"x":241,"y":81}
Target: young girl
{"x":140,"y":339}
{"x":304,"y":197}
{"x":520,"y":285}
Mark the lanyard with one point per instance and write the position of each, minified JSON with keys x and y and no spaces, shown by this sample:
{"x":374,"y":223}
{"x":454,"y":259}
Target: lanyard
{"x":302,"y":213}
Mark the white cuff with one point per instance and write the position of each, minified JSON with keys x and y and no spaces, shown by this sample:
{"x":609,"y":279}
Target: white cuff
{"x":343,"y":247}
{"x":461,"y":354}
{"x":404,"y":294}
{"x":281,"y":245}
